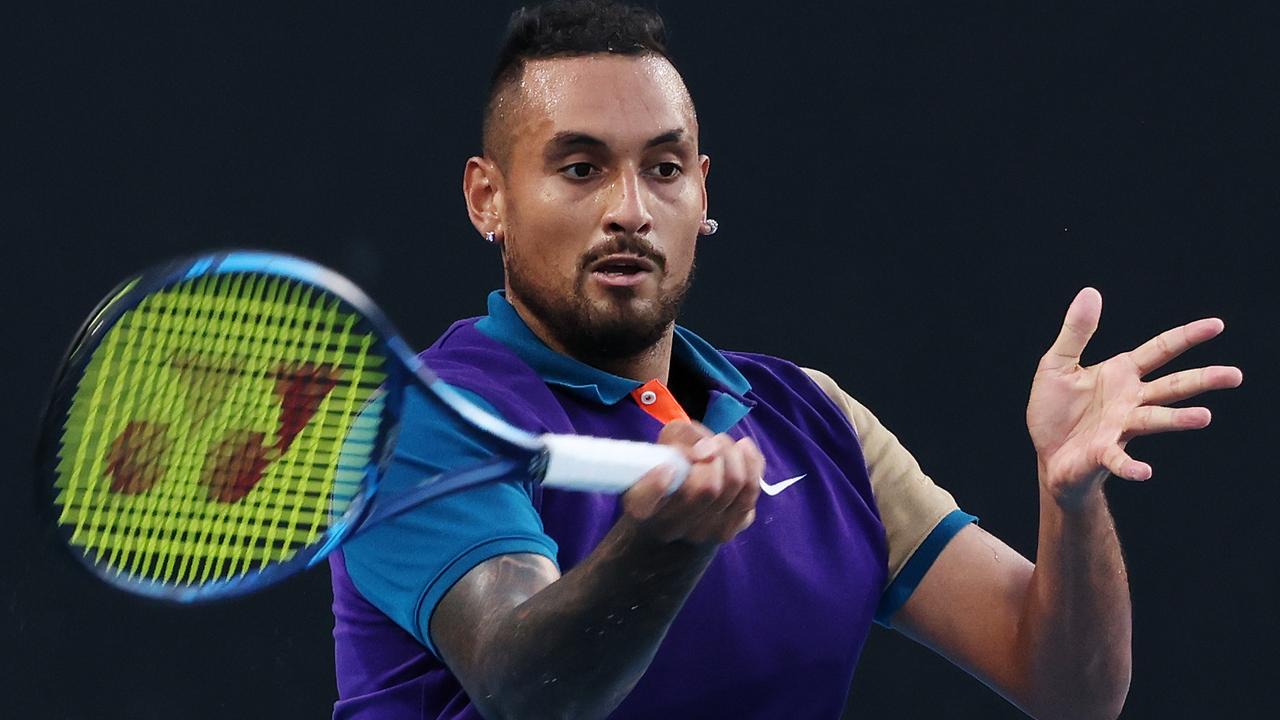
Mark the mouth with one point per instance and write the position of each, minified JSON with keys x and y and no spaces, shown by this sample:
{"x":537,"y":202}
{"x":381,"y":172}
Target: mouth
{"x":622,"y":270}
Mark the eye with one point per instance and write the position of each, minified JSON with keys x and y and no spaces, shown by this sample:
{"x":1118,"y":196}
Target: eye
{"x":667,"y":170}
{"x":578,"y":171}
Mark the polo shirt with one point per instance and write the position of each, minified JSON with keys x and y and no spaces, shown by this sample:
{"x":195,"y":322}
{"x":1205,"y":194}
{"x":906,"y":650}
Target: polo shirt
{"x":776,"y":623}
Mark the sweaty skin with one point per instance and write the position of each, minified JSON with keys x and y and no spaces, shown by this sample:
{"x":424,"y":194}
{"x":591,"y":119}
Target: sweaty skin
{"x":598,"y":154}
{"x":597,"y":205}
{"x":601,"y":159}
{"x":1055,"y":637}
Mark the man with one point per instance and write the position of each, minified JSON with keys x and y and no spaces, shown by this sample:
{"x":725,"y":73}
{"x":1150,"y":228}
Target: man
{"x":748,"y":592}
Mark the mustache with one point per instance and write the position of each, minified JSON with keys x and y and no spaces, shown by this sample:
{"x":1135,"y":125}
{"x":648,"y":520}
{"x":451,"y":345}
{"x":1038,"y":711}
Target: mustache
{"x":624,"y":245}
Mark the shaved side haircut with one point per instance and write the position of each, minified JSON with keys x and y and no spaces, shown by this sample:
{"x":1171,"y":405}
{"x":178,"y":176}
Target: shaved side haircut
{"x":557,"y":29}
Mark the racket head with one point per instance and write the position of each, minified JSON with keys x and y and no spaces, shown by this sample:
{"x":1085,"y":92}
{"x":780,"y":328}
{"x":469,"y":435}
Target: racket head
{"x":219,"y":422}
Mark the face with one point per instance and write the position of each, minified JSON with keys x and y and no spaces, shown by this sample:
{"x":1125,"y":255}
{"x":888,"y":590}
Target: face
{"x":600,"y":200}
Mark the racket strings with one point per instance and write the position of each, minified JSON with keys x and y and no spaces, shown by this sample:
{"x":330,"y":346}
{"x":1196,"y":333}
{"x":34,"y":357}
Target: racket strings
{"x":217,"y":429}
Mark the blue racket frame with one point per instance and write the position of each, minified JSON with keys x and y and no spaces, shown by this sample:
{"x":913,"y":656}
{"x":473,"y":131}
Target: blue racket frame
{"x":525,"y":452}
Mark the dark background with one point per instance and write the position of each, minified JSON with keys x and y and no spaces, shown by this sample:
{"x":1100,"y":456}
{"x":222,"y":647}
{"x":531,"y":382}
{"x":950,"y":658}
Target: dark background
{"x":909,"y":195}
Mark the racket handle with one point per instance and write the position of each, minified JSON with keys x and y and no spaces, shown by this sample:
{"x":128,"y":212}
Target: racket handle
{"x":579,"y":462}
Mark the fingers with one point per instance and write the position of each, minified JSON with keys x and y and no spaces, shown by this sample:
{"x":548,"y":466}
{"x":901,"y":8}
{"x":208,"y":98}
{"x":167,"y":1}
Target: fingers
{"x":1152,"y":419}
{"x":1171,"y":343}
{"x":1180,"y":386}
{"x":1077,"y":328}
{"x":734,"y":473}
{"x":740,"y":513}
{"x":1118,"y":462}
{"x":755,"y":472}
{"x":699,"y":507}
{"x":715,"y":502}
{"x":683,"y":432}
{"x":1149,"y":420}
{"x":642,"y":499}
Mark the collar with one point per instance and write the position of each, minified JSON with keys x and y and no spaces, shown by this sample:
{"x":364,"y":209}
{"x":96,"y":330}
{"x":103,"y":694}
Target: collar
{"x":506,"y":326}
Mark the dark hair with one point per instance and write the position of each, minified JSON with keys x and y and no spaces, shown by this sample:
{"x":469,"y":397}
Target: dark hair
{"x":569,"y":28}
{"x":572,"y":28}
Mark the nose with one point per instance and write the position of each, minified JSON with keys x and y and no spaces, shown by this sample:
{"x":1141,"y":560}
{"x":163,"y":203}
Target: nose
{"x":628,"y":206}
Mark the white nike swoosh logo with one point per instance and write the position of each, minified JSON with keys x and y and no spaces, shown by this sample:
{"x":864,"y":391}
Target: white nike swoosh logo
{"x":778,"y":487}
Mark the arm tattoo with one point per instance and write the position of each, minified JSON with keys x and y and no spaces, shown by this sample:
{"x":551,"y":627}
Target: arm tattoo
{"x":524,"y":641}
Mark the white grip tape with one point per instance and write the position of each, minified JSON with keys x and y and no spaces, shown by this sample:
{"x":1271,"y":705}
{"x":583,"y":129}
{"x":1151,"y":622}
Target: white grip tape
{"x":579,"y":462}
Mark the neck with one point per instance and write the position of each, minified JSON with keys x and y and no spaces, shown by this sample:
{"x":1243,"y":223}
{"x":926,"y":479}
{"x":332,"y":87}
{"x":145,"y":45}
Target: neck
{"x":652,"y":362}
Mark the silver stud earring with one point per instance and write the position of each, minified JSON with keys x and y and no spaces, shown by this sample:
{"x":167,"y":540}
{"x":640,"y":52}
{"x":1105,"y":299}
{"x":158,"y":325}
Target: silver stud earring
{"x":489,"y":236}
{"x":709,"y":227}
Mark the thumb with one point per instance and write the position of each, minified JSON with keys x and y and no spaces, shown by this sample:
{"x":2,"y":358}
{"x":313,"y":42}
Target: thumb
{"x":643,"y":498}
{"x":1077,"y":329}
{"x":683,"y":433}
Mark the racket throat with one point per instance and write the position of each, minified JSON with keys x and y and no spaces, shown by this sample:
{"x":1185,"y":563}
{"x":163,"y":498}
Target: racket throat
{"x":385,"y":506}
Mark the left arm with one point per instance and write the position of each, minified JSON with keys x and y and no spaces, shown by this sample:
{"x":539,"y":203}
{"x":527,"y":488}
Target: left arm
{"x":1055,"y":637}
{"x":1052,"y":638}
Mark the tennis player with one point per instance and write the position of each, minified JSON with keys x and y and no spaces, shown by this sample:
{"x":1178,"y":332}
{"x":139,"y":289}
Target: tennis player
{"x":749,"y":591}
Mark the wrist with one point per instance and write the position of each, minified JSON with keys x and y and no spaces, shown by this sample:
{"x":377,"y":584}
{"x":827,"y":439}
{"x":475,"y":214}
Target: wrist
{"x":1079,"y":501}
{"x":632,"y":541}
{"x":1071,"y":495}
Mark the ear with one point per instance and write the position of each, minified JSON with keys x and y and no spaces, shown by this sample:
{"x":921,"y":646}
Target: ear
{"x":704,"y":163}
{"x":483,"y":188}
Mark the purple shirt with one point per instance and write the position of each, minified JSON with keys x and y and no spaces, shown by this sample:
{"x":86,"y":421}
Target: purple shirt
{"x":776,"y":624}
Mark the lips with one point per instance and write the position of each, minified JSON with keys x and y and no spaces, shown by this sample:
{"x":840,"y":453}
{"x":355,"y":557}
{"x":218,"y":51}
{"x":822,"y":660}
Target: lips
{"x":621,"y":269}
{"x":622,"y":264}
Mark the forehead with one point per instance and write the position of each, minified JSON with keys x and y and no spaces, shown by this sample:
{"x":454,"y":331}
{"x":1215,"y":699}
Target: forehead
{"x":616,"y":98}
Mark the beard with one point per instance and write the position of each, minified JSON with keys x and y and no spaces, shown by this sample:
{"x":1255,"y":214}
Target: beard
{"x":618,"y":327}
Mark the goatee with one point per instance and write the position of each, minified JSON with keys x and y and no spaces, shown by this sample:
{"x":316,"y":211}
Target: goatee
{"x":617,"y":328}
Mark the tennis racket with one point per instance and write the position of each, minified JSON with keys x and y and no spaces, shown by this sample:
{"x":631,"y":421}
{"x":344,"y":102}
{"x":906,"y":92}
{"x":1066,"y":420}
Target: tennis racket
{"x":220,"y":422}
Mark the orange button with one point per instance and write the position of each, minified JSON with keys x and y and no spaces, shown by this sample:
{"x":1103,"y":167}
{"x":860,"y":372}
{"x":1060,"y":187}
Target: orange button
{"x":654,"y":398}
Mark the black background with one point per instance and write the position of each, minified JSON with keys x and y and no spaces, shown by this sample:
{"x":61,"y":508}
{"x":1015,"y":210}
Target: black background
{"x":909,"y":195}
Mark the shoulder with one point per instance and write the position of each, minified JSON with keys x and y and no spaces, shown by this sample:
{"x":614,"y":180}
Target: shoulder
{"x":764,"y":365}
{"x":770,"y":376}
{"x":464,"y":348}
{"x":490,"y":373}
{"x":800,"y":390}
{"x":857,"y":413}
{"x":919,"y":516}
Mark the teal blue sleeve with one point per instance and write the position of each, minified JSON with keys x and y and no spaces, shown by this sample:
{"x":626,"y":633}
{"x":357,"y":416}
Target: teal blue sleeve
{"x":405,"y":565}
{"x":895,"y":596}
